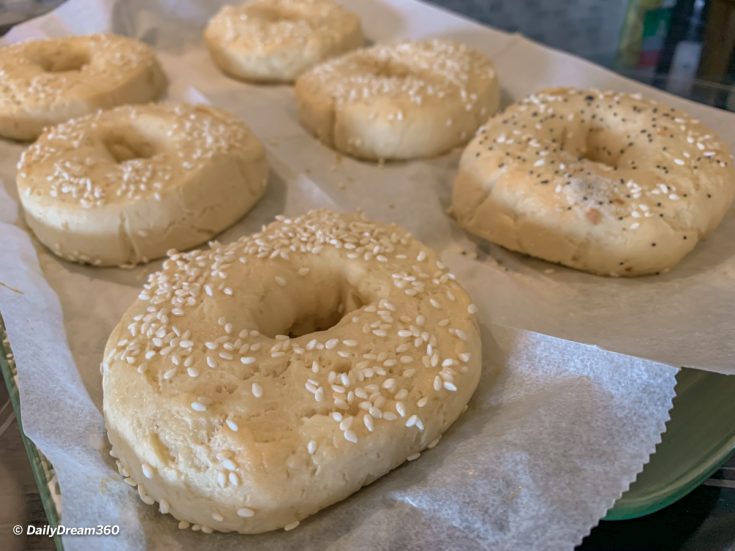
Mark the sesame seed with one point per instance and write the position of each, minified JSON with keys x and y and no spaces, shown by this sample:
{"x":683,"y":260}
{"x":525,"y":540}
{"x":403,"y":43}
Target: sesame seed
{"x":245,"y":512}
{"x":147,"y":470}
{"x":231,"y":425}
{"x":257,"y":390}
{"x":217,"y":517}
{"x":311,"y":447}
{"x":198,"y":406}
{"x":291,"y":526}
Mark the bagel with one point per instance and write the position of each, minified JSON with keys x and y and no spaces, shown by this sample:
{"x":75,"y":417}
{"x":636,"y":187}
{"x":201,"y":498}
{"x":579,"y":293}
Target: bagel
{"x":401,"y":100}
{"x":604,"y":182}
{"x":45,"y":82}
{"x":277,"y":40}
{"x":123,"y":186}
{"x":255,"y":383}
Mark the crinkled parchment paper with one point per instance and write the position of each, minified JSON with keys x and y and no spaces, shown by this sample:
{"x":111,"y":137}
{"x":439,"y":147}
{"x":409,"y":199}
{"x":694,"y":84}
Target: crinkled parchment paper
{"x":556,"y":431}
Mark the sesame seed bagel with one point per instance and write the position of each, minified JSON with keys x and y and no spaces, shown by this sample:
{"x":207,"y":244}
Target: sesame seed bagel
{"x":401,"y":100}
{"x":604,"y":182}
{"x":277,"y":40}
{"x":123,"y":186}
{"x":255,"y":383}
{"x":45,"y":82}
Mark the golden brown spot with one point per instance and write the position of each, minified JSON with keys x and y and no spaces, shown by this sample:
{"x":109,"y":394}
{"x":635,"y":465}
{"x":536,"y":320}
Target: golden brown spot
{"x":594,"y":216}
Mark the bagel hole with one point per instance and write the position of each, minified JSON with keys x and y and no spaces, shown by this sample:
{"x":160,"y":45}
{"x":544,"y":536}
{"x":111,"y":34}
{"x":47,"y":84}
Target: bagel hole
{"x":324,"y":319}
{"x":312,"y":304}
{"x":387,"y":69}
{"x":273,"y":14}
{"x":604,"y":147}
{"x":62,"y":62}
{"x":123,"y":148}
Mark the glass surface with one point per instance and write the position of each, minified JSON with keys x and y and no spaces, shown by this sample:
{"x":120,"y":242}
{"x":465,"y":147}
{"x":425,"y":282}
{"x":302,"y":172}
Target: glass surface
{"x":683,"y":46}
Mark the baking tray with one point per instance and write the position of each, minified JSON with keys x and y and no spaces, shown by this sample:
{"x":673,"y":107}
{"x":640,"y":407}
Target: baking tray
{"x":699,"y":439}
{"x":43,"y":471}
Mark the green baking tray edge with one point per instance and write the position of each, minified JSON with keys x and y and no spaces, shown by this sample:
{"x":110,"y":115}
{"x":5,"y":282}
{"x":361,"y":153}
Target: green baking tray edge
{"x":699,"y":438}
{"x":43,"y":471}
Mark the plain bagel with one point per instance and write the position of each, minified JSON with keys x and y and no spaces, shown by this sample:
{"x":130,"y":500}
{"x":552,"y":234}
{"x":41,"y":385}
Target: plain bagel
{"x":605,"y":182}
{"x":45,"y":82}
{"x":277,"y":40}
{"x":123,"y":186}
{"x":400,"y":100}
{"x":255,"y":383}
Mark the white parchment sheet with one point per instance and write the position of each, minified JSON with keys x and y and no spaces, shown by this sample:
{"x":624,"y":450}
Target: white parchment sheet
{"x":556,"y":431}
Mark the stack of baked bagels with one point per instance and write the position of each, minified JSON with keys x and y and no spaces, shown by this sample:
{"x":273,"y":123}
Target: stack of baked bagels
{"x":253,"y":383}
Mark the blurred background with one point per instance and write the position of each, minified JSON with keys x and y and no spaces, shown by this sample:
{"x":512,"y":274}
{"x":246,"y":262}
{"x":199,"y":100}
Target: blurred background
{"x":683,"y":46}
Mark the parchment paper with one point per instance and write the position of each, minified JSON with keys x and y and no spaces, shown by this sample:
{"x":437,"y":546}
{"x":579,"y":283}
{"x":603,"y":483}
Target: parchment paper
{"x":556,"y":431}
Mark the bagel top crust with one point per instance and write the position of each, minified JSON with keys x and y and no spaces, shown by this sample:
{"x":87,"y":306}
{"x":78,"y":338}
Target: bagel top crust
{"x":416,"y":70}
{"x":228,"y":402}
{"x":43,"y":80}
{"x":129,"y":153}
{"x":602,"y":181}
{"x":399,"y":100}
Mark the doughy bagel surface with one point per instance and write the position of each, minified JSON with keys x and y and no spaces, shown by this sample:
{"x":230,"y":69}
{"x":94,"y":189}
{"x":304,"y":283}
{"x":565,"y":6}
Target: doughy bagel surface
{"x":277,"y":40}
{"x":399,"y":100}
{"x":605,"y":182}
{"x":45,"y":82}
{"x":257,"y":382}
{"x":123,"y":186}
